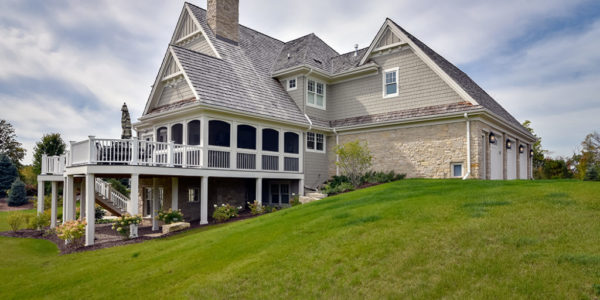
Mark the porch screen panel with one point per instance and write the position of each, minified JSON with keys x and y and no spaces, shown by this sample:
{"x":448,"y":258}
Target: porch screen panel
{"x":177,"y":134}
{"x":291,"y":142}
{"x":193,"y":132}
{"x":270,"y":140}
{"x":161,"y":134}
{"x":246,"y":137}
{"x":218,"y":133}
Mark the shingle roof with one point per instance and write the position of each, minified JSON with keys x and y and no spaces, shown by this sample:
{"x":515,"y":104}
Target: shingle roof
{"x":241,"y":79}
{"x":307,"y":50}
{"x":463,"y":80}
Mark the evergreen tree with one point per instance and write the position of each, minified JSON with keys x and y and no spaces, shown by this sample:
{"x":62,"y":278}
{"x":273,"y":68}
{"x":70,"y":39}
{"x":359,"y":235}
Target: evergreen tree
{"x":51,"y":144}
{"x":8,"y":173}
{"x":9,"y":145}
{"x":17,"y":193}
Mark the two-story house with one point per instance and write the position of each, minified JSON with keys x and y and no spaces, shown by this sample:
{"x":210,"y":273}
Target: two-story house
{"x":235,"y":115}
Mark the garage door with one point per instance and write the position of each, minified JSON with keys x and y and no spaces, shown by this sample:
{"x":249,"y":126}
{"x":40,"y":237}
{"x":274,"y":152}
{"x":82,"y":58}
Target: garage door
{"x":523,"y":164}
{"x":511,"y":162}
{"x":496,"y":159}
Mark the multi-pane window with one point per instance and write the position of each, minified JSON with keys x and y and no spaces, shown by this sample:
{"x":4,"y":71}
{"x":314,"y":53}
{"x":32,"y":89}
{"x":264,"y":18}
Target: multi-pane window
{"x":390,"y":83}
{"x":315,"y":141}
{"x":291,"y":84}
{"x":315,"y":95}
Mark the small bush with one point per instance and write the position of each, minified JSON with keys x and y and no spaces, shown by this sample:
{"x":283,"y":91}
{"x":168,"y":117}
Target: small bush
{"x":99,"y":213}
{"x":122,"y":224}
{"x":72,"y":232}
{"x":40,"y":221}
{"x":591,"y":174}
{"x":170,"y":216}
{"x":225,"y":212}
{"x":380,"y":177}
{"x":270,"y":209}
{"x":17,"y":195}
{"x":256,"y":208}
{"x":15,"y":220}
{"x":342,"y":187}
{"x":295,"y":200}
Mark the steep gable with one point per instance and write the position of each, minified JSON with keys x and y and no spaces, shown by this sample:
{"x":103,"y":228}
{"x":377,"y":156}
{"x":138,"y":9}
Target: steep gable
{"x":387,"y":38}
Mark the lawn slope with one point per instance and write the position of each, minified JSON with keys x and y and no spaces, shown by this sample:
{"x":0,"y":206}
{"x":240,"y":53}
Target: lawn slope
{"x":407,"y":239}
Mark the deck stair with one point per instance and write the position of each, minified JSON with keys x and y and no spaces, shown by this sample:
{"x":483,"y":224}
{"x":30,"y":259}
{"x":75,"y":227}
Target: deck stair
{"x":109,"y":198}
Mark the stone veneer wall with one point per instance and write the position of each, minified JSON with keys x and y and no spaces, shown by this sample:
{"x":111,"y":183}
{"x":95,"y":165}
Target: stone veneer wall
{"x":418,"y":151}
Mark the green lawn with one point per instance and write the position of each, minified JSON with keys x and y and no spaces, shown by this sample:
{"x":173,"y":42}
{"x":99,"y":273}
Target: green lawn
{"x":408,"y":239}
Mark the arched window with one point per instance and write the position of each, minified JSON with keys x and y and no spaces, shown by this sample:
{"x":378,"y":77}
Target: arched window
{"x":177,"y":134}
{"x":291,"y":142}
{"x":218,"y":133}
{"x":246,"y":137}
{"x":270,"y":138}
{"x":193,"y":132}
{"x":161,"y":134}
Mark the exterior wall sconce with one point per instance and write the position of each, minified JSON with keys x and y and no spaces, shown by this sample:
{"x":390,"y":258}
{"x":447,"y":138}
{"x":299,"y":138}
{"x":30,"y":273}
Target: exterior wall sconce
{"x":531,"y":153}
{"x":521,"y":149}
{"x":492,"y":138}
{"x":508,"y":144}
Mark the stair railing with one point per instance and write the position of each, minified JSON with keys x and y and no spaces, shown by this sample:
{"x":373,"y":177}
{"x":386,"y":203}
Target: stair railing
{"x":109,"y":193}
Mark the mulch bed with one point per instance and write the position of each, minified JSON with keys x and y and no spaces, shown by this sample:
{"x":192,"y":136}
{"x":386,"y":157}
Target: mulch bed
{"x":107,"y":237}
{"x":4,"y":206}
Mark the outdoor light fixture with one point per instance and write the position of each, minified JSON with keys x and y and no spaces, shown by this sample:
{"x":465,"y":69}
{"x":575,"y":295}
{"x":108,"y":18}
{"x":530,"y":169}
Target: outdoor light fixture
{"x":531,"y":153}
{"x":521,"y":149}
{"x":492,"y":138}
{"x":508,"y":144}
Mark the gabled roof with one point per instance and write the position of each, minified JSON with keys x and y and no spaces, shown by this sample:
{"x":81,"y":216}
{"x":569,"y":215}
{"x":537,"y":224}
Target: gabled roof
{"x":307,"y":50}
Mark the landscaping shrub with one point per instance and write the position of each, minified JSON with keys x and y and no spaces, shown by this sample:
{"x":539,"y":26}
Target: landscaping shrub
{"x":122,"y":224}
{"x":225,"y":212}
{"x":380,"y":177}
{"x":256,"y":208}
{"x":170,"y":216}
{"x":72,"y":232}
{"x":15,"y":220}
{"x":8,"y":173}
{"x":17,"y":195}
{"x":354,"y":159}
{"x":40,"y":221}
{"x":340,"y":188}
{"x":99,"y":212}
{"x":270,"y":209}
{"x":591,"y":174}
{"x":295,"y":200}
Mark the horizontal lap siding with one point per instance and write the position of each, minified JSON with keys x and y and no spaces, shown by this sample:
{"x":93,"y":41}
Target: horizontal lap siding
{"x":315,"y":167}
{"x":180,"y":92}
{"x":200,"y":45}
{"x":419,"y":86}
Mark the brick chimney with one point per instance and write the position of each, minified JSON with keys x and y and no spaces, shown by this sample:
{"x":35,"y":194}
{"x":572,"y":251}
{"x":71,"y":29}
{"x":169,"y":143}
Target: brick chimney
{"x":223,"y":18}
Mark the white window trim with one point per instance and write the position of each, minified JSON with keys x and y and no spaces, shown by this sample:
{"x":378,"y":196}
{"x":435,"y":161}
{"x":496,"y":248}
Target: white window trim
{"x":287,"y":84}
{"x":315,"y":149}
{"x":383,"y":83}
{"x":324,"y":107}
{"x":462,"y":169}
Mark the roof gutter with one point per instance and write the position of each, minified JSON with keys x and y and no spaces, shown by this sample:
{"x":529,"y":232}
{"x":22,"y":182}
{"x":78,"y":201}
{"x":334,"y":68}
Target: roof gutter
{"x":468,"y":147}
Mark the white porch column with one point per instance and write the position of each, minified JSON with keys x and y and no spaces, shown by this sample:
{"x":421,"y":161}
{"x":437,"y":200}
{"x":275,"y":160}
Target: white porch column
{"x":133,"y":207}
{"x":301,"y":187}
{"x":153,"y":213}
{"x":90,"y":203}
{"x":175,"y":193}
{"x":82,"y":206}
{"x":281,"y":152}
{"x":204,"y":200}
{"x":258,"y":196}
{"x":233,"y":146}
{"x":53,"y":206}
{"x":40,"y":200}
{"x":71,"y":198}
{"x":204,"y":141}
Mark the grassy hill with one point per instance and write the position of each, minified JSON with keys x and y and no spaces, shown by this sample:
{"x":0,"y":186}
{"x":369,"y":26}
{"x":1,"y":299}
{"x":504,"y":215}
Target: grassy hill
{"x":407,"y":239}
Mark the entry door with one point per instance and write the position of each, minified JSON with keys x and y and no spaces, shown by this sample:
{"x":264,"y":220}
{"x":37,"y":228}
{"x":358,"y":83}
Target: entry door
{"x":279,"y":193}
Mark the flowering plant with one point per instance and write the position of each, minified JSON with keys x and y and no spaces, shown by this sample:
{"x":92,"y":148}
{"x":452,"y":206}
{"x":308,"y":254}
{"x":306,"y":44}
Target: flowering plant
{"x":170,"y":216}
{"x":122,"y":225}
{"x":225,"y":212}
{"x":71,"y":231}
{"x":256,"y":208}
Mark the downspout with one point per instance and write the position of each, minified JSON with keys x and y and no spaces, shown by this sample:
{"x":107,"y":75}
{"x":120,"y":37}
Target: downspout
{"x":468,"y":147}
{"x":337,"y":156}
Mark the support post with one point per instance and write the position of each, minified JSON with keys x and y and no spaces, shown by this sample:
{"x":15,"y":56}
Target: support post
{"x":90,"y":200}
{"x":204,"y":201}
{"x":301,"y":187}
{"x":134,"y":150}
{"x":40,"y":200}
{"x":92,"y":145}
{"x":82,"y":206}
{"x":71,"y":198}
{"x":53,"y":206}
{"x":154,"y":211}
{"x":133,"y":207}
{"x":175,"y":193}
{"x":258,"y":196}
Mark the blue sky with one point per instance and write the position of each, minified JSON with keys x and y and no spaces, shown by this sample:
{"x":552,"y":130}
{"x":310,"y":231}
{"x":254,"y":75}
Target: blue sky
{"x":67,"y":66}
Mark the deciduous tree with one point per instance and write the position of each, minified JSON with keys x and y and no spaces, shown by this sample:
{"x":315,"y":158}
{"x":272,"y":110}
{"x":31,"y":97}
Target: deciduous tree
{"x":9,"y":145}
{"x":354,"y":160}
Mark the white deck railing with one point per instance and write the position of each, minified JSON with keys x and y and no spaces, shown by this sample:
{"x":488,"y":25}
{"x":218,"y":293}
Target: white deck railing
{"x":147,"y":153}
{"x":54,"y":165}
{"x":109,"y":193}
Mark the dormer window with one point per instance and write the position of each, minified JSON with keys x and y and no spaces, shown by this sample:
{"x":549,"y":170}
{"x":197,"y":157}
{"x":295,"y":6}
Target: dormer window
{"x":291,"y":84}
{"x":390,"y":83}
{"x":315,"y":94}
